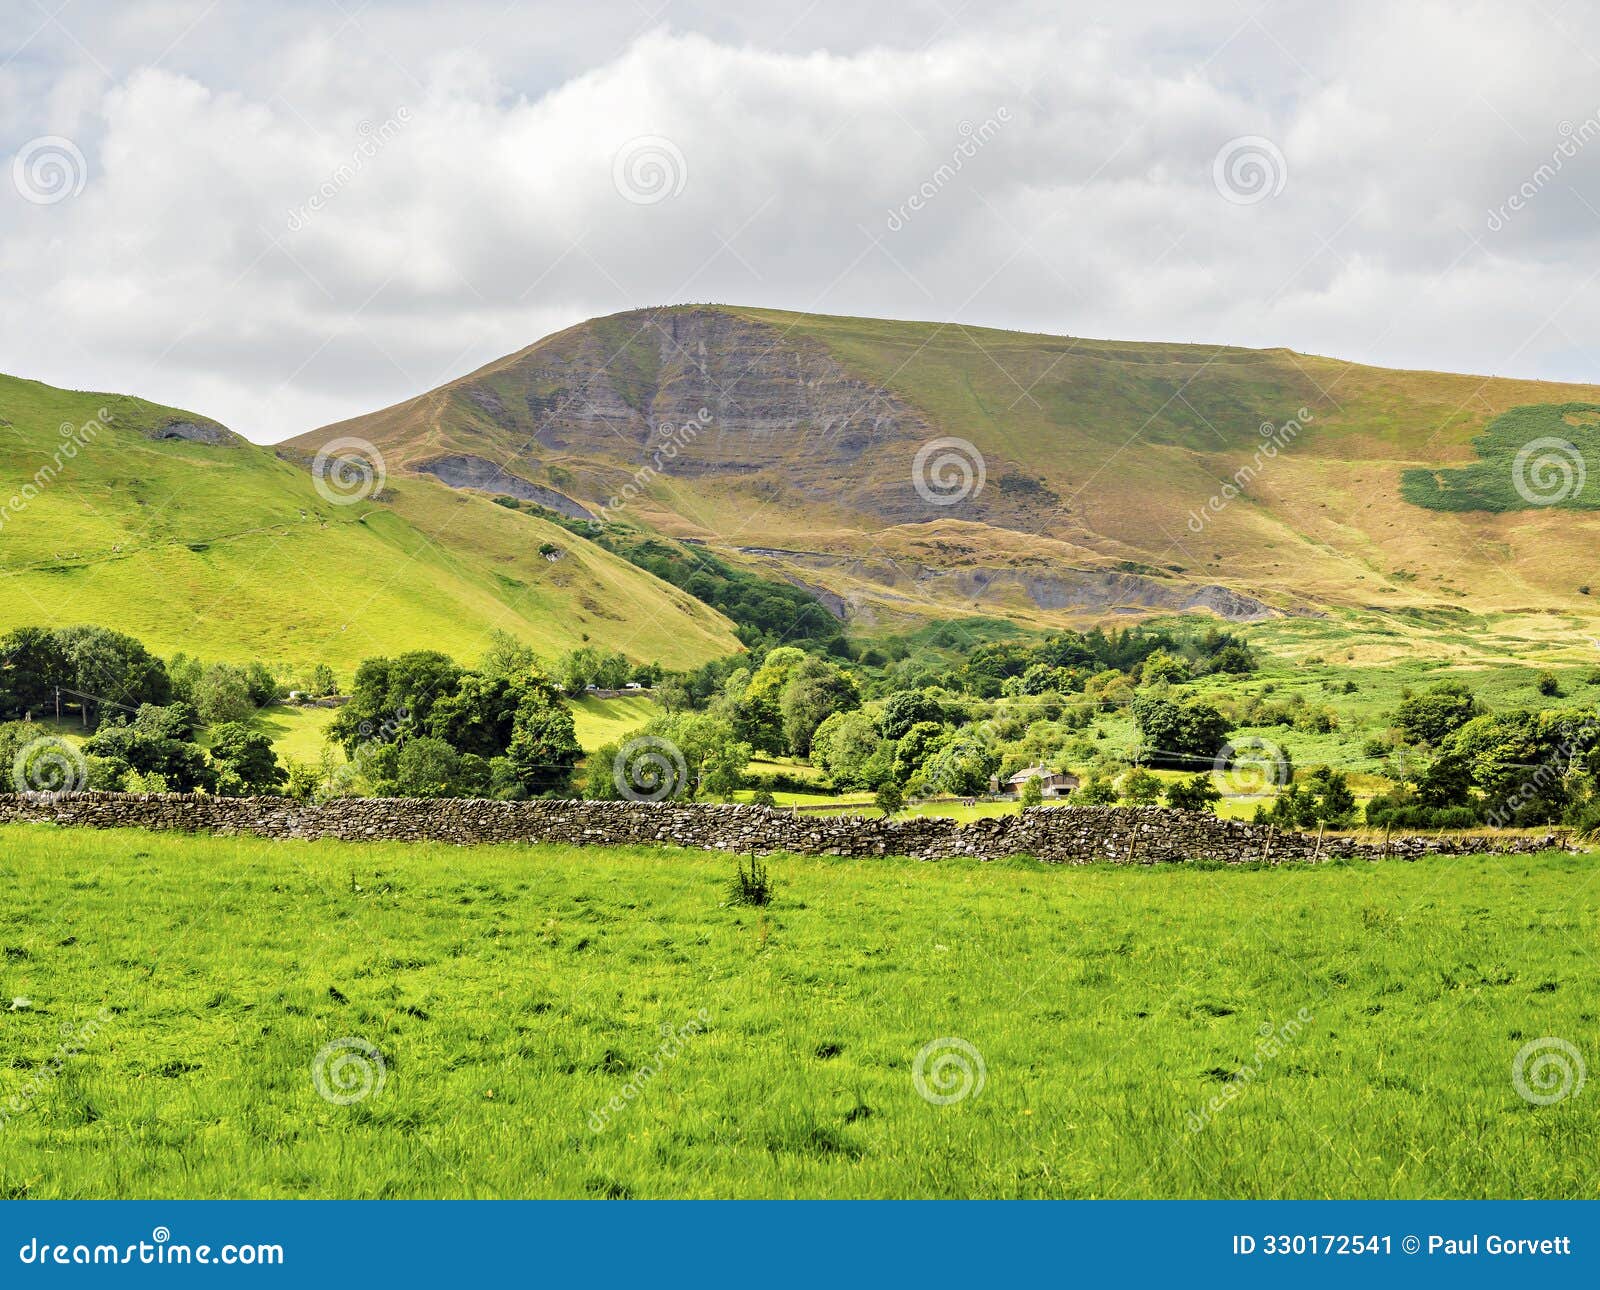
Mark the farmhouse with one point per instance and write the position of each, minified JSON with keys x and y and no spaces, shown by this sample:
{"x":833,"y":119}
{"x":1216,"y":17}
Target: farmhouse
{"x":1054,"y":783}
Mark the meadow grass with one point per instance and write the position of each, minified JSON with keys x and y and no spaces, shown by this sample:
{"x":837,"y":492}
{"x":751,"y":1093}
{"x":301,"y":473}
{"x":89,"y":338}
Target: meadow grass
{"x":517,"y":993}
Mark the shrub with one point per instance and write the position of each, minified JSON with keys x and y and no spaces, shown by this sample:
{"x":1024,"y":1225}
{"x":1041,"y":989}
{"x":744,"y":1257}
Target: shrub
{"x":752,"y":886}
{"x":889,"y":799}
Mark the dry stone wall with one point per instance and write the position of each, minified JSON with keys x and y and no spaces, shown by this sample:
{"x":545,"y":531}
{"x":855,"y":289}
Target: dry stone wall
{"x":1056,"y":834}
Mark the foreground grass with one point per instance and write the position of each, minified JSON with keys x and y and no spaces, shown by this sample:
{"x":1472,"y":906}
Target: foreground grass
{"x":515,"y":991}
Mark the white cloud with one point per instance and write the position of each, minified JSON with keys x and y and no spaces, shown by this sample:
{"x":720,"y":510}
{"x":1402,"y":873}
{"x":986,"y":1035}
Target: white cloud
{"x":289,"y":218}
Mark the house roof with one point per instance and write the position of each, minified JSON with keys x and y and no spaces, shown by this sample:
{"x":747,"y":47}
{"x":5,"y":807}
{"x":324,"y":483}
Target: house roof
{"x":1038,"y":772}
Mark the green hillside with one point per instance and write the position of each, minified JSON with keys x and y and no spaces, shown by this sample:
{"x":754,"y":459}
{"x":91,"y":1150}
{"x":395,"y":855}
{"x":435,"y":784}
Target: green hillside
{"x":221,"y":548}
{"x":1102,"y":478}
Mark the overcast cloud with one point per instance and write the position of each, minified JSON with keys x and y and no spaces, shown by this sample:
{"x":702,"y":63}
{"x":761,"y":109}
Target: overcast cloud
{"x":292,"y":213}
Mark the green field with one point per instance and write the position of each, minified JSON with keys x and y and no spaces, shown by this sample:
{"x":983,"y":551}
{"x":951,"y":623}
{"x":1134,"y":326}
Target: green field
{"x":515,"y":993}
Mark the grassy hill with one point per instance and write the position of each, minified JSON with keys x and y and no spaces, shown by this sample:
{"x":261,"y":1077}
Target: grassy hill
{"x":794,"y":441}
{"x":202,"y":542}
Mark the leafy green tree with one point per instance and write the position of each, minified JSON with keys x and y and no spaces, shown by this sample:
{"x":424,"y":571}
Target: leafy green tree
{"x":1179,"y":735}
{"x":1165,"y":666}
{"x":914,"y":748}
{"x":222,"y":694}
{"x":961,"y":767}
{"x":843,"y":745}
{"x":543,"y":750}
{"x":322,"y":681}
{"x":1098,"y":791}
{"x":1433,"y":716}
{"x":107,"y":667}
{"x":32,"y":663}
{"x":393,"y":696}
{"x":889,"y":798}
{"x":158,"y":741}
{"x":907,"y":708}
{"x":814,"y":691}
{"x":1197,"y":793}
{"x":1140,"y":788}
{"x":1032,"y":793}
{"x":244,"y":761}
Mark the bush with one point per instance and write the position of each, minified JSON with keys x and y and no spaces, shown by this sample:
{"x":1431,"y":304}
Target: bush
{"x":752,"y":886}
{"x":763,"y":798}
{"x":889,"y":799}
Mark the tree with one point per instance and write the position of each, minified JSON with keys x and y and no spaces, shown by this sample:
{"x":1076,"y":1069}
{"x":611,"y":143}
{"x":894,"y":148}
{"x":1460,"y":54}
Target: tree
{"x":1197,"y":793}
{"x":1032,"y":793}
{"x":222,"y":694}
{"x":158,"y":741}
{"x":106,"y":667}
{"x":322,"y":682}
{"x":814,"y":691}
{"x":961,"y":766}
{"x":915,"y":747}
{"x":543,"y":749}
{"x":889,"y":799}
{"x":1164,"y":666}
{"x":32,"y":664}
{"x":907,"y":708}
{"x":1179,"y":735}
{"x":1140,"y":788}
{"x":244,"y":761}
{"x":393,"y":695}
{"x":1098,"y":791}
{"x":1433,"y":716}
{"x":843,"y":745}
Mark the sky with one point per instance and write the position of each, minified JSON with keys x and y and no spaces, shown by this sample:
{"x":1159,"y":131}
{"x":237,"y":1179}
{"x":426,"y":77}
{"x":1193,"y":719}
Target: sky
{"x":282,"y":215}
